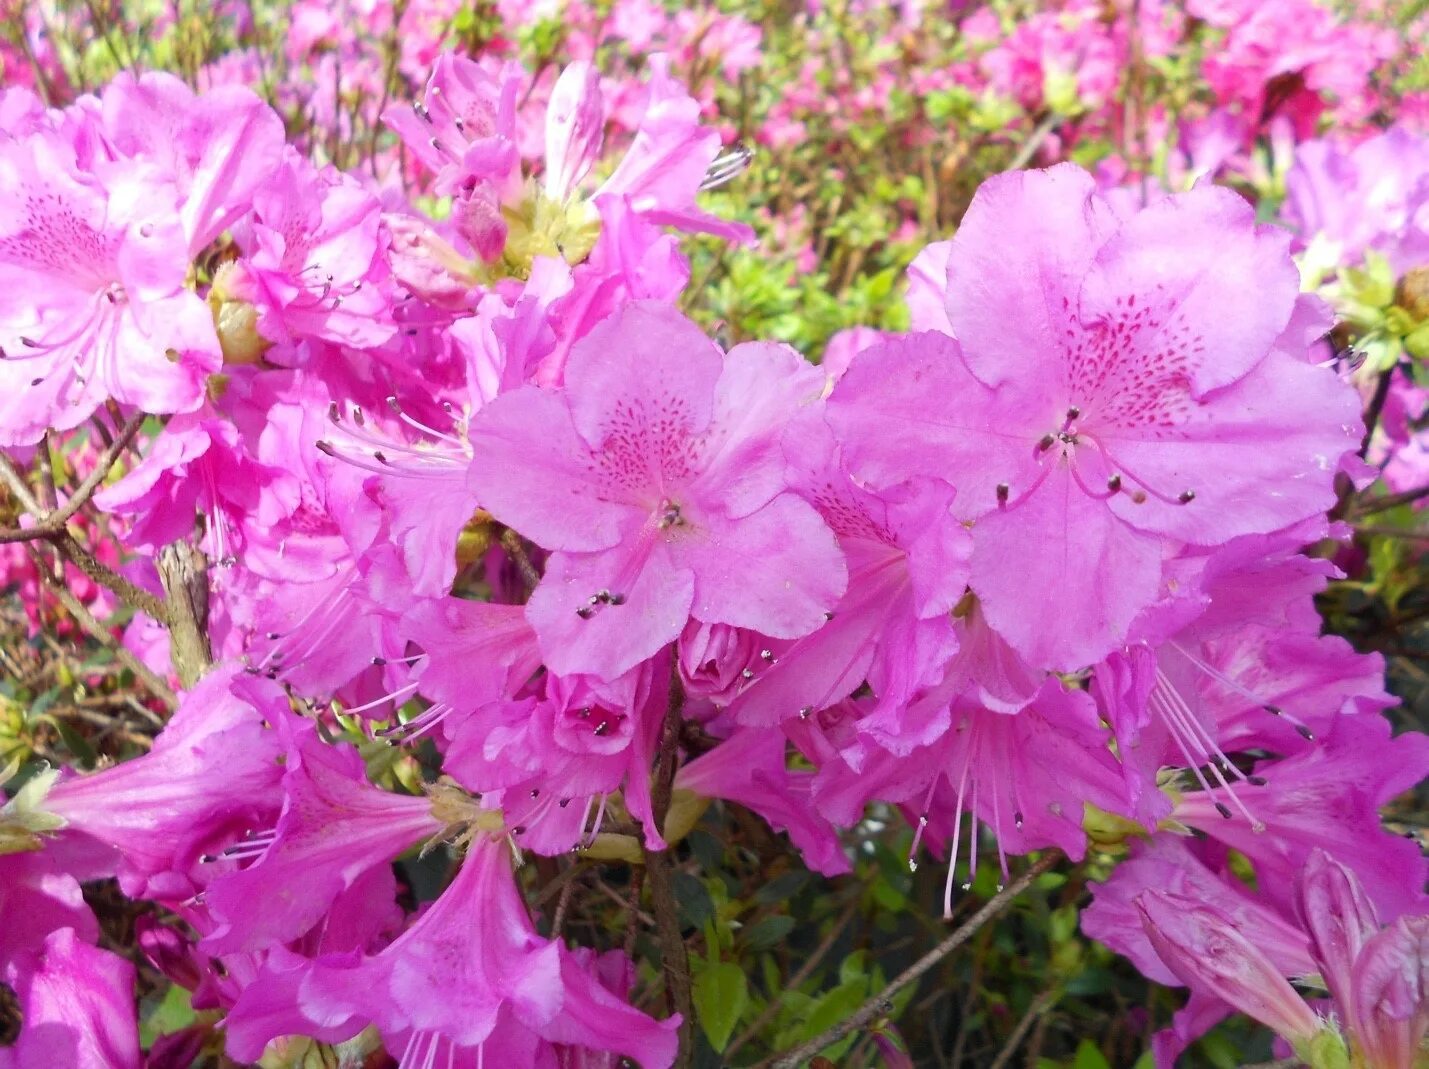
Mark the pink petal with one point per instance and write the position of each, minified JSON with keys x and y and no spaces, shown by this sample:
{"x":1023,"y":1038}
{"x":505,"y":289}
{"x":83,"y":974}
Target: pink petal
{"x":776,"y":571}
{"x":614,"y":638}
{"x":1019,"y":256}
{"x":1060,"y":578}
{"x":533,"y":472}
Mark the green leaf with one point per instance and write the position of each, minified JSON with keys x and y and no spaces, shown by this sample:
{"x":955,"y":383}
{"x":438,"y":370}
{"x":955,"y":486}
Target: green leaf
{"x":721,"y":994}
{"x":173,"y":1014}
{"x":1089,"y":1056}
{"x":693,"y":898}
{"x":782,"y":887}
{"x":766,"y":933}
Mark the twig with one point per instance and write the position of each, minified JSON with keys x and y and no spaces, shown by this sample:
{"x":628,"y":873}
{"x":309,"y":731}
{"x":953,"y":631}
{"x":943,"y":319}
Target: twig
{"x":106,"y":577}
{"x":99,"y":632}
{"x":53,"y":522}
{"x":676,"y":960}
{"x":511,"y":542}
{"x":1390,"y":501}
{"x":1034,"y":142}
{"x":551,"y":889}
{"x":632,"y":928}
{"x":611,"y":893}
{"x":183,"y":570}
{"x":1376,"y":406}
{"x":1394,"y":532}
{"x":562,"y":905}
{"x":1039,"y":1006}
{"x":882,"y":1002}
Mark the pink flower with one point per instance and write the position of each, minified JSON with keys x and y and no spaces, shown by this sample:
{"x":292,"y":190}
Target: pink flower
{"x":196,"y":467}
{"x":907,"y":563}
{"x":315,"y":263}
{"x":1346,"y":201}
{"x":749,"y":768}
{"x":210,"y":777}
{"x":1207,"y":952}
{"x":656,"y":477}
{"x":77,"y":1005}
{"x":99,"y":222}
{"x":469,"y":978}
{"x":334,"y":827}
{"x":1117,"y":392}
{"x":34,"y":886}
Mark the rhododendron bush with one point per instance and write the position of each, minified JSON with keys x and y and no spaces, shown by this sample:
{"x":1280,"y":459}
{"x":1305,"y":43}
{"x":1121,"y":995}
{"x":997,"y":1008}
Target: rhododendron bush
{"x":621,"y":534}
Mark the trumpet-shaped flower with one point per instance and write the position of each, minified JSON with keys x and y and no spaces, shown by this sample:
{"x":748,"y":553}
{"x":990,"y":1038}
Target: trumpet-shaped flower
{"x":1116,"y":389}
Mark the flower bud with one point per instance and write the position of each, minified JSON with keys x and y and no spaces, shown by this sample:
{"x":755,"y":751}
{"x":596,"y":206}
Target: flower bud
{"x":235,"y":320}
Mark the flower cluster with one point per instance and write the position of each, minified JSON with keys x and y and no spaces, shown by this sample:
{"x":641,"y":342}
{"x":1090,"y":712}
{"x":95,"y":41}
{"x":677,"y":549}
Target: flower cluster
{"x":464,"y":480}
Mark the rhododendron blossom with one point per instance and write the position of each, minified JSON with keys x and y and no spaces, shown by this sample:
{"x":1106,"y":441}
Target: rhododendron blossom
{"x":1115,"y":389}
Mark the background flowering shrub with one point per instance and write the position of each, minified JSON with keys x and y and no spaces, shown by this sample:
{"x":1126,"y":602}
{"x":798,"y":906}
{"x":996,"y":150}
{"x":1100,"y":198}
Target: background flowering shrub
{"x":561,"y":534}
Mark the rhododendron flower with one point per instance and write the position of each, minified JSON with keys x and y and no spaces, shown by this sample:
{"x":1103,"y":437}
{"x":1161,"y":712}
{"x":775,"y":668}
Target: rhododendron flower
{"x":210,"y":777}
{"x":750,"y":768}
{"x":657,"y":478}
{"x":77,"y":1007}
{"x":907,"y":560}
{"x":196,"y":467}
{"x":469,"y":978}
{"x":1379,"y":979}
{"x":1116,"y":389}
{"x":34,"y":886}
{"x":1374,"y":196}
{"x":99,"y":222}
{"x":1327,"y":797}
{"x":1206,"y":951}
{"x":333,"y":828}
{"x":92,"y":294}
{"x":314,"y":264}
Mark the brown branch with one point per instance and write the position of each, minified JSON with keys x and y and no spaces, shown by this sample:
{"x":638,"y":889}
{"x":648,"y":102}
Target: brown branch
{"x":106,"y":577}
{"x":183,"y":569}
{"x":637,"y":883}
{"x":1393,"y":532}
{"x":659,"y":875}
{"x":1040,"y":1005}
{"x":76,"y":608}
{"x":882,"y":1003}
{"x":51,"y":523}
{"x":1390,"y":501}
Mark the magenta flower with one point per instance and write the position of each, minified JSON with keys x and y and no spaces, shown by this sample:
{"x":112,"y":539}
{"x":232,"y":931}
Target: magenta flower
{"x":1327,"y":797}
{"x":1119,"y":389}
{"x":1175,"y":865}
{"x":315,"y":263}
{"x":35,"y":886}
{"x":907,"y":561}
{"x":656,"y":477}
{"x":750,"y":768}
{"x":92,"y":293}
{"x":99,"y":221}
{"x":334,"y":827}
{"x":77,"y":1005}
{"x":1373,"y":197}
{"x":470,"y":978}
{"x":210,"y":777}
{"x":197,"y":467}
{"x":1206,"y":951}
{"x":465,"y":134}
